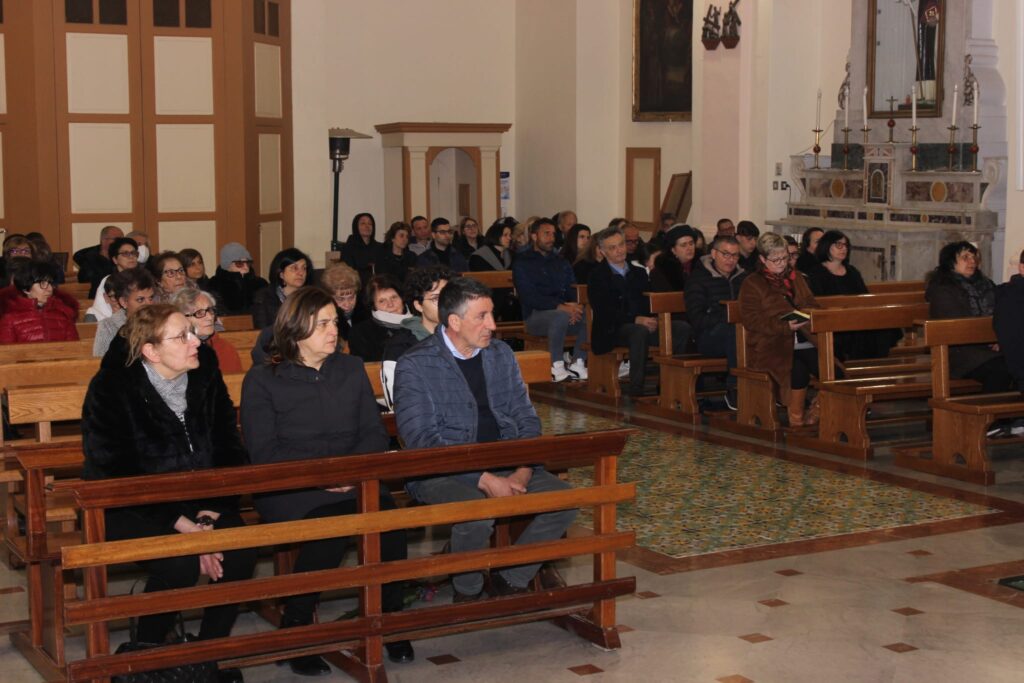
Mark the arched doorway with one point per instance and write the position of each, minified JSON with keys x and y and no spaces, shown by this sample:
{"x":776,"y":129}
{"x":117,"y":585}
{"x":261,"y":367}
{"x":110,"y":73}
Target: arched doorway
{"x":454,"y":185}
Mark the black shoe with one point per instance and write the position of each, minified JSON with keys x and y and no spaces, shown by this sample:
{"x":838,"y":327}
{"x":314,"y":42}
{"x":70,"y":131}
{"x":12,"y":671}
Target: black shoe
{"x":307,"y":665}
{"x":230,"y":676}
{"x":499,"y":586}
{"x":464,"y":597}
{"x":550,"y":578}
{"x":400,"y":651}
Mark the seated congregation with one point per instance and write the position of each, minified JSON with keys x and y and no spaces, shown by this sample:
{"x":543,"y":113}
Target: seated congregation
{"x":413,"y":316}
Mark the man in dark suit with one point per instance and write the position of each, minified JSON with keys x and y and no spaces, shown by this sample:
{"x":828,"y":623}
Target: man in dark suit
{"x":94,"y":262}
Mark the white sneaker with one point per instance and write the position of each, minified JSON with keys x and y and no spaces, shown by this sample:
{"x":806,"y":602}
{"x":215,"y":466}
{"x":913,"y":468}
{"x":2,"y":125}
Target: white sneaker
{"x":558,"y":372}
{"x":579,"y":369}
{"x":624,"y":369}
{"x":567,"y":357}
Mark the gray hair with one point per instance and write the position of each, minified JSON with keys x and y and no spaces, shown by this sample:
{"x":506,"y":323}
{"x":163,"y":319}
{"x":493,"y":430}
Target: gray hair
{"x":608,"y":233}
{"x":769,"y":242}
{"x":186,"y":298}
{"x":457,"y":294}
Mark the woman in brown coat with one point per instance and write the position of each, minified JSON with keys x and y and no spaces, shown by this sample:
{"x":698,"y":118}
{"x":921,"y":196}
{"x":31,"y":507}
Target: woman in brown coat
{"x":783,"y":349}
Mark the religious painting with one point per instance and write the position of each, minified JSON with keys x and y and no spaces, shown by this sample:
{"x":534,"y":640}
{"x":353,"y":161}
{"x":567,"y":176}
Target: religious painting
{"x":662,"y":60}
{"x":878,"y":183}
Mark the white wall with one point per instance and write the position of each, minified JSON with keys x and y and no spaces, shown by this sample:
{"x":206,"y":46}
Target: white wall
{"x":359,"y":64}
{"x":1008,"y":31}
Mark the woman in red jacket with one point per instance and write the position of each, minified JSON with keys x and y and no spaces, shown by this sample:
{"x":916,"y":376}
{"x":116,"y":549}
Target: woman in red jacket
{"x":33,"y":311}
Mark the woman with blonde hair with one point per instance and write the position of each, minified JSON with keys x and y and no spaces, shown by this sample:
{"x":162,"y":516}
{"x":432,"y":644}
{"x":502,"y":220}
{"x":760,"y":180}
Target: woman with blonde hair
{"x":342,"y":282}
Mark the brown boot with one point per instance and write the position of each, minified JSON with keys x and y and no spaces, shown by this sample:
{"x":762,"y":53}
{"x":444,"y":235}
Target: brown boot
{"x":795,"y":407}
{"x":813,"y":412}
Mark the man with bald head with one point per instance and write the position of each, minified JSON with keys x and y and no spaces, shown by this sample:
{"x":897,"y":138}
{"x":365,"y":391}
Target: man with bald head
{"x":94,"y":263}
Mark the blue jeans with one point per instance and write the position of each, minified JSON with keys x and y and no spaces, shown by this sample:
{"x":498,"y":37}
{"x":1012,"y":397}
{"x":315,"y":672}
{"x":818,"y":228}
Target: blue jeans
{"x":554,"y":324}
{"x":548,"y":526}
{"x":720,"y":341}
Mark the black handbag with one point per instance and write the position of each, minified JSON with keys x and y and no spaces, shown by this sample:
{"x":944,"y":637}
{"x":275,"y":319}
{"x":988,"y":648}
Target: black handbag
{"x":203,"y":672}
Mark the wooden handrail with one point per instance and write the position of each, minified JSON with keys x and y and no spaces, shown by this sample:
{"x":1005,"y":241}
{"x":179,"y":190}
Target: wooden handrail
{"x":350,"y":469}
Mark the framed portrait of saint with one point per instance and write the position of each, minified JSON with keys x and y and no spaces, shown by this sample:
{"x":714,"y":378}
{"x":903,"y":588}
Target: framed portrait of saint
{"x":662,"y":60}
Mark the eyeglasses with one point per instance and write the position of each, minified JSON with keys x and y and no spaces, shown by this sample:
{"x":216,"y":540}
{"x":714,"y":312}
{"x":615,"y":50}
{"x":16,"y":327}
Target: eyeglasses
{"x":201,"y":312}
{"x":129,"y":254}
{"x":175,"y":272}
{"x":778,"y":260}
{"x":345,"y":296}
{"x":728,"y":254}
{"x":841,"y":245}
{"x":20,"y":251}
{"x":184,"y":337}
{"x":241,"y":264}
{"x":44,"y":284}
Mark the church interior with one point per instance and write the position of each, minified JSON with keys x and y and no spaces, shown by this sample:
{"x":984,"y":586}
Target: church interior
{"x":760,"y":550}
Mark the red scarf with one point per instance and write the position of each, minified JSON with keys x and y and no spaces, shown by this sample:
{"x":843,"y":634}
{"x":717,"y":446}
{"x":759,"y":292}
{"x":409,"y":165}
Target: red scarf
{"x":784,"y":281}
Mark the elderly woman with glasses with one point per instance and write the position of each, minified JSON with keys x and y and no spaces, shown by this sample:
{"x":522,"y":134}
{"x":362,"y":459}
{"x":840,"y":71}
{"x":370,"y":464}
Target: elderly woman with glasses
{"x":166,"y":409}
{"x":368,"y":338}
{"x":201,"y":309}
{"x":169,"y":272}
{"x":32,"y":309}
{"x":779,"y":346}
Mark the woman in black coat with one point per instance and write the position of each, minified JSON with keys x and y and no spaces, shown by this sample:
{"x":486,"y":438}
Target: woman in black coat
{"x":495,"y":255}
{"x":290,"y":270}
{"x":368,"y":338}
{"x":676,"y":261}
{"x":834,"y":275}
{"x":362,"y":249}
{"x":958,"y":289}
{"x":167,"y":410}
{"x":394,"y":257}
{"x":311,"y":402}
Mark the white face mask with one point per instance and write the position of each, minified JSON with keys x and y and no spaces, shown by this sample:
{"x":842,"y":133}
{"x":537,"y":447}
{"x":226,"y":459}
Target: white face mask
{"x":143,"y":253}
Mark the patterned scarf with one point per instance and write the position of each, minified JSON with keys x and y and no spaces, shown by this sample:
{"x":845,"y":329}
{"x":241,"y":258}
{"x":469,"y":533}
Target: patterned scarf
{"x":784,"y":281}
{"x":980,"y":293}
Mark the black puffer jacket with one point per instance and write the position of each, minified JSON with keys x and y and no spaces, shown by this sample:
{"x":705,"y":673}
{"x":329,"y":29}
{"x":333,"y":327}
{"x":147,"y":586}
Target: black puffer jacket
{"x":128,"y":430}
{"x":705,"y":288}
{"x":235,"y":291}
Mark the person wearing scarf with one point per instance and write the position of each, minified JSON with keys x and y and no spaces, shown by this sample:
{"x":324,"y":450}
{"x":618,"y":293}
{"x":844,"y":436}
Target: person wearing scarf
{"x":368,"y":338}
{"x":958,"y":289}
{"x":785,"y":350}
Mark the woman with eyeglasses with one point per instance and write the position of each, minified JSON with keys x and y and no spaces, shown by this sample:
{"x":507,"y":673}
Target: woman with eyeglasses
{"x":124,"y":254}
{"x":290,"y":270}
{"x":782,"y":348}
{"x":169,"y":273}
{"x":32,"y":310}
{"x":16,"y":246}
{"x":201,"y":310}
{"x":468,"y":240}
{"x":368,"y":338}
{"x":235,"y":282}
{"x":834,"y":275}
{"x":306,"y":402}
{"x":166,"y":409}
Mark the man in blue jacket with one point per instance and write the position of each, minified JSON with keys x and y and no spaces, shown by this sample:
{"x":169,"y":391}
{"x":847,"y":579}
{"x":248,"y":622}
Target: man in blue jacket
{"x":544,"y":283}
{"x":458,"y":386}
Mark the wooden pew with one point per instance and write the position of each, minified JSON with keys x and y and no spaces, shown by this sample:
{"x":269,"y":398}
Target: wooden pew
{"x":367,"y":632}
{"x":959,"y":445}
{"x":79,"y":290}
{"x":678,"y":374}
{"x":14,"y":353}
{"x":602,"y":369}
{"x":896,"y":286}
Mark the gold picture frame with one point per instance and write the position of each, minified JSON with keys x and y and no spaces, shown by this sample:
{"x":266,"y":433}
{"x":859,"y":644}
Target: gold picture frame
{"x":662,"y":60}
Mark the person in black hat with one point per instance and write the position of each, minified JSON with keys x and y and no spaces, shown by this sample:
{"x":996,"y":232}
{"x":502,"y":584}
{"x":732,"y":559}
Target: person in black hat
{"x":674,"y":264}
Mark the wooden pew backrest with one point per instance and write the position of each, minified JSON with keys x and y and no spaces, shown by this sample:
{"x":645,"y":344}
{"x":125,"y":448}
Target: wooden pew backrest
{"x":939,"y":335}
{"x":495,"y":279}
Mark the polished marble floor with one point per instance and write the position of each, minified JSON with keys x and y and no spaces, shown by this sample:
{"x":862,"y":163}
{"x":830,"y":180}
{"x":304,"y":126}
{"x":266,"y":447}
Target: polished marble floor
{"x":911,"y":602}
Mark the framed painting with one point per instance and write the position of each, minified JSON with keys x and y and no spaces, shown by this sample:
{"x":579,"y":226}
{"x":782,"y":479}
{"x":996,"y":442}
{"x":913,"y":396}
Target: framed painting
{"x":662,"y":60}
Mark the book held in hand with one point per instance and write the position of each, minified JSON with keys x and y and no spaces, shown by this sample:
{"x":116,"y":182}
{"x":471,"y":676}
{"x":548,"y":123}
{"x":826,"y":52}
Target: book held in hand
{"x":797,"y":315}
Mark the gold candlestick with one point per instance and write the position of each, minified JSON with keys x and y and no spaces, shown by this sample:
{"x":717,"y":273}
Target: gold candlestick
{"x":974,"y":147}
{"x":846,"y":147}
{"x":951,"y":150}
{"x":817,"y":146}
{"x":865,"y":130}
{"x":913,"y":147}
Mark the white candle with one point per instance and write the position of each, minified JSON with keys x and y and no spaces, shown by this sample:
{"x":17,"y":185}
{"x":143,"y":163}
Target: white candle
{"x":956,"y":92}
{"x":864,"y":106}
{"x":913,"y":106}
{"x":977,"y":96}
{"x":846,"y":108}
{"x":817,"y":113}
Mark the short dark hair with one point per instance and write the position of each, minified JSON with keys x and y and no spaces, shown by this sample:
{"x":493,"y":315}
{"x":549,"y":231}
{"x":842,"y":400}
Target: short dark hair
{"x":133,"y":279}
{"x":747,"y":229}
{"x":355,"y":223}
{"x":294,"y":322}
{"x":493,"y":235}
{"x":949,"y":253}
{"x":536,"y":225}
{"x":790,"y":240}
{"x":285,"y":258}
{"x":26,"y":272}
{"x":389,"y":236}
{"x":417,"y":218}
{"x":438,"y":222}
{"x":116,"y":245}
{"x":187,"y":256}
{"x":419,"y":281}
{"x":456,"y":296}
{"x":724,"y":239}
{"x":722,"y":220}
{"x":826,"y":242}
{"x":377,"y":283}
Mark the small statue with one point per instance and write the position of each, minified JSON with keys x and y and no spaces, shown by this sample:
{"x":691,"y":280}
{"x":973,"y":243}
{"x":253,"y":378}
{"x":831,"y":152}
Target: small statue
{"x":731,"y":21}
{"x":844,"y":89}
{"x":969,"y":81}
{"x":711,"y":29}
